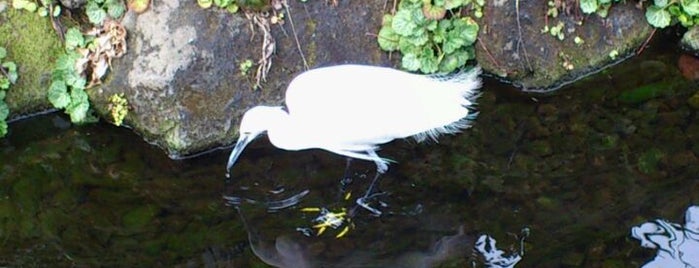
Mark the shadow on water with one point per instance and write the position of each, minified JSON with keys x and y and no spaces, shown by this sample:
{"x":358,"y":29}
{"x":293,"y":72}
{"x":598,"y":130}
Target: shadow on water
{"x":579,"y":168}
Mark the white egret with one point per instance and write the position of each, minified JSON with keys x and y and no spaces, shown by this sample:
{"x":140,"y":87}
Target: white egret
{"x":351,"y":109}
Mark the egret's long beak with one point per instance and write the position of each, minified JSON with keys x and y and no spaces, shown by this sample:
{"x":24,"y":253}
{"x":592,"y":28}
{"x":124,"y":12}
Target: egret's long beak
{"x":239,"y":146}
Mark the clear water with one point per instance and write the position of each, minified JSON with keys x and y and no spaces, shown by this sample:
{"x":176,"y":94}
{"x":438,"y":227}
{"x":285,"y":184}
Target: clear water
{"x":578,"y":168}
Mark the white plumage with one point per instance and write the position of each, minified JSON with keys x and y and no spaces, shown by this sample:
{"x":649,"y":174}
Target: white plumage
{"x":351,"y":109}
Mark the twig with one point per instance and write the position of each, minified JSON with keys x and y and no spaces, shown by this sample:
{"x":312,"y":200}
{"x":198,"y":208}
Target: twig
{"x":296,"y":38}
{"x":520,"y":42}
{"x":490,"y":56}
{"x":268,"y":47}
{"x":56,"y":24}
{"x":645,"y":43}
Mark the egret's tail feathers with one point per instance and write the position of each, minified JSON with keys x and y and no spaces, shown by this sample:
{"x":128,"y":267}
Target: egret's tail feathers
{"x":463,"y":76}
{"x":452,"y":128}
{"x":465,"y":83}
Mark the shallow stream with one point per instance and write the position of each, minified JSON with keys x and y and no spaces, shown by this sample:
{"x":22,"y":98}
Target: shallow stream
{"x":577,"y":169}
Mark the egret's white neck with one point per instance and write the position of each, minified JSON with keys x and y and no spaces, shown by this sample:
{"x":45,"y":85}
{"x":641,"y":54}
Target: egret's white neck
{"x":285,"y":133}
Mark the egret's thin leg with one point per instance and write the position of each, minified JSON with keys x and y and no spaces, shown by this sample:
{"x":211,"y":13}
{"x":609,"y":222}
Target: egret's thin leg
{"x":363,"y":201}
{"x":371,"y":186}
{"x":346,"y":179}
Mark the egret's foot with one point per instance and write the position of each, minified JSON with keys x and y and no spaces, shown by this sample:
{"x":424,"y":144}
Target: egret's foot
{"x":365,"y":201}
{"x":346,"y":180}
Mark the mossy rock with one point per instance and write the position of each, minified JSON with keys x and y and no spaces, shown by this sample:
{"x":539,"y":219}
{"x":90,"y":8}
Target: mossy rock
{"x":33,"y":45}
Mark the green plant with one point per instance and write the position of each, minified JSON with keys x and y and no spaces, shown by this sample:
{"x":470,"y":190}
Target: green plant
{"x":662,"y":13}
{"x":601,"y":7}
{"x":8,"y":76}
{"x":43,"y":7}
{"x":98,"y":10}
{"x":67,"y":90}
{"x":432,"y":35}
{"x":118,"y":108}
{"x":245,"y":67}
{"x":229,"y":5}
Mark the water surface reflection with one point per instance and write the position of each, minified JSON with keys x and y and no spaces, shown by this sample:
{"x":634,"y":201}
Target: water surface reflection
{"x":578,"y":168}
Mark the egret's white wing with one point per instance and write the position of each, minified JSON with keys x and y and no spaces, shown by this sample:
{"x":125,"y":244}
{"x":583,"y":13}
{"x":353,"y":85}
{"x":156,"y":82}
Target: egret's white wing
{"x":355,"y":105}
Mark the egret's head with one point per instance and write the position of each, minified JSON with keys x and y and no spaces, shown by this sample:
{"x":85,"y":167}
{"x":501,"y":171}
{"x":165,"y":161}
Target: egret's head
{"x":255,"y":122}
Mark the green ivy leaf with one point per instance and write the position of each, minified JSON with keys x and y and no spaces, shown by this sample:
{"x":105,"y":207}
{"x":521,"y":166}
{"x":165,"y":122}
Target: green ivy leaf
{"x":56,"y":11}
{"x":4,"y":113}
{"x":79,"y":106}
{"x":403,"y":23}
{"x":451,"y":44}
{"x":387,"y":20}
{"x":433,"y":12}
{"x":691,"y":7}
{"x":74,"y":80}
{"x":4,"y":83}
{"x":453,"y":61}
{"x":452,"y":4}
{"x":588,"y":6}
{"x":115,"y":8}
{"x":685,"y":21}
{"x":3,"y":128}
{"x":233,"y":8}
{"x":388,"y":39}
{"x":410,"y":62}
{"x":95,"y":13}
{"x":25,"y":4}
{"x":419,"y":39}
{"x":3,"y":53}
{"x":407,"y":47}
{"x":467,"y":29}
{"x":464,"y":33}
{"x":660,"y":3}
{"x":432,"y":25}
{"x":409,"y":4}
{"x":58,"y":94}
{"x":440,"y":34}
{"x":658,"y":17}
{"x":428,"y":62}
{"x":74,"y":38}
{"x":43,"y":12}
{"x":675,"y":10}
{"x":65,"y":63}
